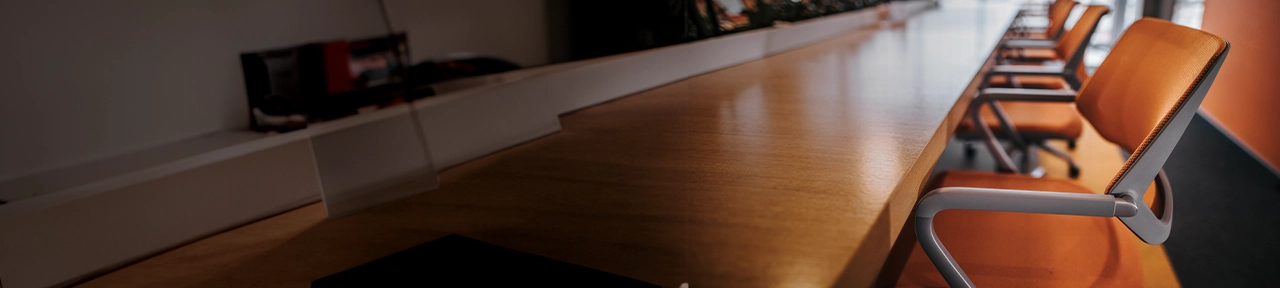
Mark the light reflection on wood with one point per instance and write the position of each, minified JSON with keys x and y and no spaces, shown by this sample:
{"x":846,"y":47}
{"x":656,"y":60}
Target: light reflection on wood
{"x":795,"y":170}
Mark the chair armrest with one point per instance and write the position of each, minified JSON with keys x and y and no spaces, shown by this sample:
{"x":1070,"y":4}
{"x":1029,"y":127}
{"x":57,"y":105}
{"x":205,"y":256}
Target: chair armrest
{"x":1028,"y":43}
{"x":1024,"y":94}
{"x":1026,"y":70}
{"x":1003,"y":200}
{"x":1026,"y":201}
{"x":1023,"y":28}
{"x":1034,"y":11}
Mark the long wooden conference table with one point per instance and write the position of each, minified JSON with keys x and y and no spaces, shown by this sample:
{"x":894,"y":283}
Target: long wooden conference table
{"x":797,"y":170}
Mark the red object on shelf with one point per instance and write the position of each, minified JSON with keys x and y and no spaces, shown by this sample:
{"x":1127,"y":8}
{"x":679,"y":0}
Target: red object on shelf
{"x":337,"y":66}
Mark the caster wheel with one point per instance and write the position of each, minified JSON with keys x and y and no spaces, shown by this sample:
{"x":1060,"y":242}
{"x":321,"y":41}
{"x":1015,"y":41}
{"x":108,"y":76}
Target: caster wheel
{"x":1071,"y":144}
{"x":969,"y":151}
{"x":1074,"y":172}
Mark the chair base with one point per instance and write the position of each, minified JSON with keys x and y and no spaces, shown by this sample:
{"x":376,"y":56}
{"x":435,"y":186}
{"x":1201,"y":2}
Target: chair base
{"x":1031,"y":162}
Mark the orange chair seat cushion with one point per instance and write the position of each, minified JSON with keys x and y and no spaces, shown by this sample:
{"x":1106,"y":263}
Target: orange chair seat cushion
{"x":1045,"y":119}
{"x":1039,"y":54}
{"x":1028,"y":81}
{"x":1006,"y":249}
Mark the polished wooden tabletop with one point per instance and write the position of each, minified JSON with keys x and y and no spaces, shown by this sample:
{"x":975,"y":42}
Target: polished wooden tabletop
{"x":796,"y":170}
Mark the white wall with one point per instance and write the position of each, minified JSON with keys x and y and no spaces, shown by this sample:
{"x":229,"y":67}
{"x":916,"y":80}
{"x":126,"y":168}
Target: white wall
{"x":83,"y":79}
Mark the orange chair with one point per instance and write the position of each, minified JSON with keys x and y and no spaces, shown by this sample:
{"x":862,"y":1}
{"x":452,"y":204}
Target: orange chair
{"x":1018,"y":231}
{"x":1030,"y":124}
{"x":1057,"y":14}
{"x":1048,"y":64}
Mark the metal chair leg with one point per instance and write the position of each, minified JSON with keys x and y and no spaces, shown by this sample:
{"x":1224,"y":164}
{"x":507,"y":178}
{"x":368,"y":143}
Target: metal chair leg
{"x":1031,"y":161}
{"x":1073,"y":170}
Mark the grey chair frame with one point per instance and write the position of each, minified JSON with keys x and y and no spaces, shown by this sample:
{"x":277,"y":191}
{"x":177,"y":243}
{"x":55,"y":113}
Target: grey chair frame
{"x":1123,"y":200}
{"x":1034,"y":10}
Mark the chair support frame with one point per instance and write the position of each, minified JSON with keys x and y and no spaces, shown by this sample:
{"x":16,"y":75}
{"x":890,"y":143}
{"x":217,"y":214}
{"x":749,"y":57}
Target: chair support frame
{"x":1026,"y":201}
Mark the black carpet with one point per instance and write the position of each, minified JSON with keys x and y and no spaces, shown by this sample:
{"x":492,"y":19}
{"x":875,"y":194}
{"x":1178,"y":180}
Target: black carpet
{"x":1226,"y":228}
{"x":457,"y":261}
{"x":1226,"y":223}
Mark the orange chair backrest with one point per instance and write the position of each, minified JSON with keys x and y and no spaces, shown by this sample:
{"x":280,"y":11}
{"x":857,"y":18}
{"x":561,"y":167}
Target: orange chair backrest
{"x":1153,"y":67}
{"x":1058,"y":13}
{"x":1071,"y":45}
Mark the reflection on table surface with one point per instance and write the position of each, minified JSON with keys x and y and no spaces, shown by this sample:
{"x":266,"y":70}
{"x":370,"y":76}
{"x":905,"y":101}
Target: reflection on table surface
{"x":787,"y":171}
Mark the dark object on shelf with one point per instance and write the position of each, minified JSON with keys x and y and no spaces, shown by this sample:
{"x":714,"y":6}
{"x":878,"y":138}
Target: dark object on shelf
{"x":801,"y":10}
{"x":430,"y":72}
{"x":288,"y":88}
{"x":582,"y":29}
{"x":457,"y":261}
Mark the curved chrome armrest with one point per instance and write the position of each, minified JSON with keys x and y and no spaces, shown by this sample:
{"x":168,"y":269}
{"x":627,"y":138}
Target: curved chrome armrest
{"x":1022,"y":30}
{"x":1033,"y":11}
{"x":1033,"y":70}
{"x":1028,"y":43}
{"x":1025,"y":201}
{"x":1026,"y":70}
{"x":1025,"y":94}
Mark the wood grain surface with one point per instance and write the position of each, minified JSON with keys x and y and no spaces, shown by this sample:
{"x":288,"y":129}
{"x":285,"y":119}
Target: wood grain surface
{"x":796,"y":170}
